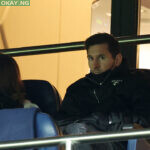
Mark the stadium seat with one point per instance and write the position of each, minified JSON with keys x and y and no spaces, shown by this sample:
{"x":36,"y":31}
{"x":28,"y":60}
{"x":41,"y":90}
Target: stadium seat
{"x":131,"y":144}
{"x":26,"y":123}
{"x":138,"y":144}
{"x":43,"y":94}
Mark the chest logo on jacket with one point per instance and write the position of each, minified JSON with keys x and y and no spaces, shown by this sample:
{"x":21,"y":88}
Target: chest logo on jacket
{"x":116,"y":82}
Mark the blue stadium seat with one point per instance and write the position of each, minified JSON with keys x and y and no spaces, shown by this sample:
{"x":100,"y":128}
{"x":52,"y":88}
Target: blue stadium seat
{"x":43,"y":94}
{"x":140,"y":144}
{"x":131,"y":144}
{"x":26,"y":123}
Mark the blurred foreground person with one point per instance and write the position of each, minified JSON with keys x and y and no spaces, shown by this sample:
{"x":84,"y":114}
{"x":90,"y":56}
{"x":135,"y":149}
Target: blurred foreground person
{"x":12,"y":94}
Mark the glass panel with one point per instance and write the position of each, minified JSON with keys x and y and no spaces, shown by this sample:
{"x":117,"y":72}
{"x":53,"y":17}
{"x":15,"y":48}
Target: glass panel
{"x":144,"y":50}
{"x":101,"y":16}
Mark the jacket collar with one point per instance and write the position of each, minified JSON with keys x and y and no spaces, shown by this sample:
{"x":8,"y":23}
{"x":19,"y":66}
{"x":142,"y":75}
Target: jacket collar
{"x":118,"y":72}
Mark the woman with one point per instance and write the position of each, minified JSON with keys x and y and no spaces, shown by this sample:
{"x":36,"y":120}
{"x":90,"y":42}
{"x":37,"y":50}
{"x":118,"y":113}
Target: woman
{"x":12,"y":93}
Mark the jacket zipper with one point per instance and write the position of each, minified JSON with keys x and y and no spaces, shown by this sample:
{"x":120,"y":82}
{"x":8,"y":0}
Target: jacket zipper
{"x":101,"y":83}
{"x":96,"y":97}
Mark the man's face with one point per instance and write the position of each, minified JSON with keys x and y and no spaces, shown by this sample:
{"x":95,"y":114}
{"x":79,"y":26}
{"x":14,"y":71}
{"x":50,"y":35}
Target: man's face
{"x":100,"y":59}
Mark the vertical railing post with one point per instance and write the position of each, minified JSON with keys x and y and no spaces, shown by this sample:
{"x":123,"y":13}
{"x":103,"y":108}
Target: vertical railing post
{"x":68,"y":144}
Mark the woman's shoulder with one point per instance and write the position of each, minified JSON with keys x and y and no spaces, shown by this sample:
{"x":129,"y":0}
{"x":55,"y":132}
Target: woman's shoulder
{"x":29,"y":104}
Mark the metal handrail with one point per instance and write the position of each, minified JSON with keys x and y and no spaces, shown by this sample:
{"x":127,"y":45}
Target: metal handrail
{"x":70,"y":140}
{"x":74,"y":46}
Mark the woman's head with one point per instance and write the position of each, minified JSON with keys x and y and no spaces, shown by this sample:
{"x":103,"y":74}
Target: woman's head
{"x":11,"y":86}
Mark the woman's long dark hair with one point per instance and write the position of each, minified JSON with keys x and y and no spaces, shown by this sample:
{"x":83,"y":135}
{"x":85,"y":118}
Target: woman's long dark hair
{"x":11,"y":86}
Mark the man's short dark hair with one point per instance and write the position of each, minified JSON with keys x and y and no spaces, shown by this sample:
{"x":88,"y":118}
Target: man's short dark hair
{"x":101,"y":38}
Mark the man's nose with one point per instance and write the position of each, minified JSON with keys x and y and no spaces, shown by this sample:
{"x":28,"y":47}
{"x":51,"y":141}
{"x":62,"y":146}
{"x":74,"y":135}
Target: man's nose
{"x":96,"y":64}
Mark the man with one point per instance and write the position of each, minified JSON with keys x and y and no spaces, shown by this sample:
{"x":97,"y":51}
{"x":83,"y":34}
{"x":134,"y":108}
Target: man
{"x":109,"y":98}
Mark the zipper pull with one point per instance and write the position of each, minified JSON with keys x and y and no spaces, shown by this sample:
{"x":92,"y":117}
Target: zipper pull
{"x":96,"y":97}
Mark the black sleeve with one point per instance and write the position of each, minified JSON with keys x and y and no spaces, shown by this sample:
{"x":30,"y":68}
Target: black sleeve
{"x":70,"y":106}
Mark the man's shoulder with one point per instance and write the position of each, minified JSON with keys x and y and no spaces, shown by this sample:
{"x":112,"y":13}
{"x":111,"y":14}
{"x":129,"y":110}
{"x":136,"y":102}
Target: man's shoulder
{"x":77,"y":84}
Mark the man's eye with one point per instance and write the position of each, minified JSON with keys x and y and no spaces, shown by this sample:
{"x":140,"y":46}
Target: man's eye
{"x":102,"y":57}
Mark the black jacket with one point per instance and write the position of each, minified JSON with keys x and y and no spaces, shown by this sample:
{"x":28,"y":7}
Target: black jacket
{"x":117,"y":95}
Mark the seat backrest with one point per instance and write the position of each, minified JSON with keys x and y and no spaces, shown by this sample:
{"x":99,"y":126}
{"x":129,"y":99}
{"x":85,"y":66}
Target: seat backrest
{"x":131,"y":144}
{"x":26,"y":123}
{"x":43,"y":94}
{"x":142,"y":74}
{"x":46,"y":127}
{"x":140,"y":144}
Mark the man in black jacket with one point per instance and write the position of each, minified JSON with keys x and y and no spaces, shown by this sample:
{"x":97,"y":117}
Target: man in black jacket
{"x":109,"y":97}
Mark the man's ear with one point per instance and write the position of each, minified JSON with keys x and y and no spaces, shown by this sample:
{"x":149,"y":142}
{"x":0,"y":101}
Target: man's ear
{"x":118,"y":59}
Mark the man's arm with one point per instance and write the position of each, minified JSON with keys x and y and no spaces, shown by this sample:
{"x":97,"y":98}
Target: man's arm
{"x":69,"y":108}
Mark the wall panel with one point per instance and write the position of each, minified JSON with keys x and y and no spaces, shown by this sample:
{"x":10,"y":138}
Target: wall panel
{"x":75,"y":26}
